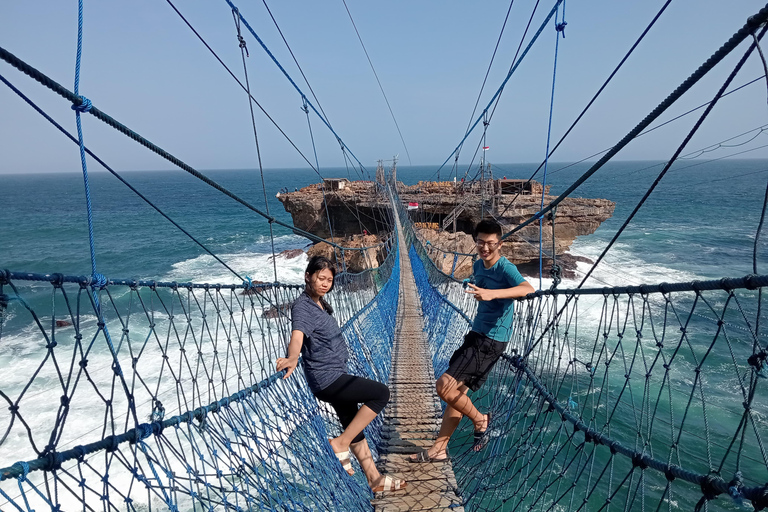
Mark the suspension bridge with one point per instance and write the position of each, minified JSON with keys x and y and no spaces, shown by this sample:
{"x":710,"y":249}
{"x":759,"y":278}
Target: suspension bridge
{"x":604,"y":396}
{"x":125,"y":394}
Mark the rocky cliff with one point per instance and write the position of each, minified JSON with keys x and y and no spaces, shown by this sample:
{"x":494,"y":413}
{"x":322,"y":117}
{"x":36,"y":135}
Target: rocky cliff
{"x":361,"y":207}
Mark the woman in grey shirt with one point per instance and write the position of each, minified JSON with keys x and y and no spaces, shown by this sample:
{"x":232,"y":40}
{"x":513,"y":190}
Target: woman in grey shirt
{"x":316,"y":335}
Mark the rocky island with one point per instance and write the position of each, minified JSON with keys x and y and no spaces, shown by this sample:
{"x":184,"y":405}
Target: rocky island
{"x":444,"y":214}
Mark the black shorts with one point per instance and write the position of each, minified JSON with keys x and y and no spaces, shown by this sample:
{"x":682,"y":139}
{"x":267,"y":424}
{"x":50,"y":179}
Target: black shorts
{"x":347,"y":391}
{"x":473,"y":360}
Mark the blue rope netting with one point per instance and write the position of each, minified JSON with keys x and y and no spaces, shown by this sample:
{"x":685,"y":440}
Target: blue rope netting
{"x":220,"y":428}
{"x":647,"y":396}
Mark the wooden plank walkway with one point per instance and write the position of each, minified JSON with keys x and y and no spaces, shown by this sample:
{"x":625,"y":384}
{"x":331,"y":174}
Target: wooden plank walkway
{"x":412,"y":418}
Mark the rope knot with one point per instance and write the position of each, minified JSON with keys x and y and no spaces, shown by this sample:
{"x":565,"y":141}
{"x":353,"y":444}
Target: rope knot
{"x":57,"y":280}
{"x":242,"y":44}
{"x":560,"y":27}
{"x":734,"y":488}
{"x":84,"y":106}
{"x":708,"y":488}
{"x":158,"y":411}
{"x":757,"y":361}
{"x":556,"y":273}
{"x":81,"y":453}
{"x":24,"y":470}
{"x":98,"y":281}
{"x":143,"y":431}
{"x":639,"y":461}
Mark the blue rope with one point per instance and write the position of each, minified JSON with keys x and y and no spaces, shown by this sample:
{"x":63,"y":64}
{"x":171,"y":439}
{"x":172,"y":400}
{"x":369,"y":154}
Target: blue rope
{"x":559,"y":29}
{"x":98,"y":281}
{"x":504,"y":83}
{"x":305,"y":109}
{"x":85,"y":106}
{"x":271,"y":56}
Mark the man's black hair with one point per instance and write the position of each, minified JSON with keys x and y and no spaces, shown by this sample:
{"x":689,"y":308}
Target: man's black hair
{"x":488,"y":227}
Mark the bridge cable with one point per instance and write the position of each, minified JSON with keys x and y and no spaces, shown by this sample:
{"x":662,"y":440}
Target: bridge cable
{"x":559,"y":29}
{"x":753,"y":22}
{"x":306,"y":80}
{"x":378,"y":81}
{"x":504,"y":83}
{"x":98,"y":280}
{"x":594,"y":98}
{"x":305,"y":109}
{"x":514,"y":59}
{"x":102,"y":116}
{"x":285,"y":135}
{"x":490,"y":64}
{"x":293,"y":83}
{"x":765,"y":203}
{"x":116,"y":175}
{"x":648,"y":131}
{"x":676,"y":154}
{"x":763,"y":12}
{"x":243,"y":53}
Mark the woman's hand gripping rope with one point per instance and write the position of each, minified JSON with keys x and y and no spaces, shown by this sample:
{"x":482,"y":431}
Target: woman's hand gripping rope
{"x":288,"y":364}
{"x":294,"y":349}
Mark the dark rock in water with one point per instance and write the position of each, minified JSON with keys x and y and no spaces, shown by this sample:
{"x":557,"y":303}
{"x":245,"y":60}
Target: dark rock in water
{"x":289,"y":254}
{"x":567,"y":262}
{"x":276,"y":311}
{"x":63,"y":323}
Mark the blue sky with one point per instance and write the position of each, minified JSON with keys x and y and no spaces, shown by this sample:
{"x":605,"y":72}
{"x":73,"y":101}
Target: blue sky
{"x":142,"y":65}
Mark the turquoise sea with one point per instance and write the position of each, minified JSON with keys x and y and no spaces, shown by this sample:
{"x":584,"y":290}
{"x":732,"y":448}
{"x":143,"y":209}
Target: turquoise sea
{"x":700,"y":223}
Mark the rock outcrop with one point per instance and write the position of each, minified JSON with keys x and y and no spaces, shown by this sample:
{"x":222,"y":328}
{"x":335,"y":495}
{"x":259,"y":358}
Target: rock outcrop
{"x":370,"y":255}
{"x":362,"y":207}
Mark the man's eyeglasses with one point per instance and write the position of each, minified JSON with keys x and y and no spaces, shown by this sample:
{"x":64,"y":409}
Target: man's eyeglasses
{"x":491,"y":245}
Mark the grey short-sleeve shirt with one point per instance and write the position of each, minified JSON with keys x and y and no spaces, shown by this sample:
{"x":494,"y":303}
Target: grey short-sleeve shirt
{"x":324,"y":350}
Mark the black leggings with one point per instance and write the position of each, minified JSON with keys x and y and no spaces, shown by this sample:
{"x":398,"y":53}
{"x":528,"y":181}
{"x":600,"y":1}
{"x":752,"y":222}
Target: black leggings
{"x":347,"y":391}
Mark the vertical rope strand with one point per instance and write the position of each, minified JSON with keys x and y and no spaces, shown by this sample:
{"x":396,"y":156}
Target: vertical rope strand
{"x":243,"y":53}
{"x":559,"y":28}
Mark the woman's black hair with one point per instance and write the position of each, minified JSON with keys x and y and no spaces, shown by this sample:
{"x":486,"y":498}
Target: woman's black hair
{"x":316,"y":264}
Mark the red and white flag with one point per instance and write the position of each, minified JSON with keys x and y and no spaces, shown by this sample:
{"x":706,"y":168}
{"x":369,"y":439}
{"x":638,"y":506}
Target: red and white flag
{"x":486,"y":148}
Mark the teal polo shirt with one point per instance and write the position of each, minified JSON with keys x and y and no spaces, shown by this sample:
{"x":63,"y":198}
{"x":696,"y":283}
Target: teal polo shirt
{"x":494,"y":317}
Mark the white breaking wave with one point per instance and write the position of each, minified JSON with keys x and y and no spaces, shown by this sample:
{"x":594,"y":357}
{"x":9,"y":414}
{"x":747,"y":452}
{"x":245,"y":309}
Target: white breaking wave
{"x":621,"y":267}
{"x":257,"y":266}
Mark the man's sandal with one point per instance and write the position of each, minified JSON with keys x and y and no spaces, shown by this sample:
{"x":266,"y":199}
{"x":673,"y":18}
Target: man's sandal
{"x":387,"y":484}
{"x":481,"y":438}
{"x":423,"y":456}
{"x":345,"y":461}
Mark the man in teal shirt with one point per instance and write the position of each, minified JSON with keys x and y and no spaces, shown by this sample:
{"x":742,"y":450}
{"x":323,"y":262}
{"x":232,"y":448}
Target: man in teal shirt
{"x":497,"y":283}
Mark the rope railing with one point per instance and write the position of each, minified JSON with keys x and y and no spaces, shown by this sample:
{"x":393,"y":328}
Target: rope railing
{"x":648,"y":396}
{"x":217,"y":426}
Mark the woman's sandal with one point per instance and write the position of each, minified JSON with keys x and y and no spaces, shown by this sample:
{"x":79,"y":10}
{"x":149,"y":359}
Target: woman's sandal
{"x":423,"y":456}
{"x":481,"y":438}
{"x":388,"y":484}
{"x":345,"y":461}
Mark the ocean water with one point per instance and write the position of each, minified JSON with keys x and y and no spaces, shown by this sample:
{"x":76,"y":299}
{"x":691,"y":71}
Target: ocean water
{"x":700,"y":222}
